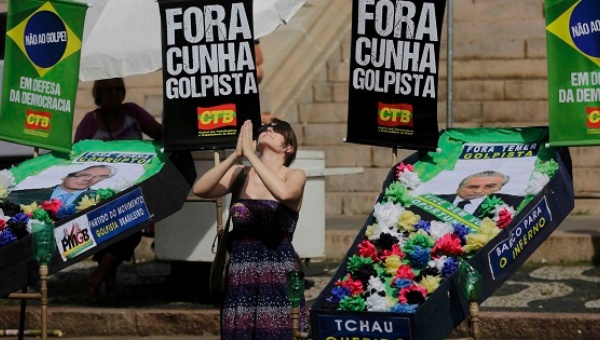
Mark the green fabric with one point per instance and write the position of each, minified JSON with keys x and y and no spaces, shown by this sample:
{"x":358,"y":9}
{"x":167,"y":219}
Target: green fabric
{"x":574,"y":112}
{"x":36,"y":165}
{"x":451,"y":141}
{"x":41,"y":69}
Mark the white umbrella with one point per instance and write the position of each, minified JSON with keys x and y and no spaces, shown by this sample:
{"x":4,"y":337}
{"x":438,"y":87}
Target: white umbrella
{"x":122,"y":37}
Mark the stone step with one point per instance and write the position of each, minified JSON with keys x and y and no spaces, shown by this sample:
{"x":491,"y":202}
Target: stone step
{"x":577,"y":238}
{"x":106,"y":323}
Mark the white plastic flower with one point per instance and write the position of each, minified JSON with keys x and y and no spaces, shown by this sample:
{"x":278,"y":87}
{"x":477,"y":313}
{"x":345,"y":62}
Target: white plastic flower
{"x":393,"y":232}
{"x":373,"y":232}
{"x":438,"y":263}
{"x":375,"y":284}
{"x":387,"y":214}
{"x":439,"y":229}
{"x":537,"y":182}
{"x":377,"y":303}
{"x":410,"y":179}
{"x":7,"y":181}
{"x":31,"y":222}
{"x":401,"y":239}
{"x":122,"y":184}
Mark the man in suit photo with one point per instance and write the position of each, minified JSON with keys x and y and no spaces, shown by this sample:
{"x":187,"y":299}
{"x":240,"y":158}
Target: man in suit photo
{"x":71,"y":190}
{"x":474,"y":189}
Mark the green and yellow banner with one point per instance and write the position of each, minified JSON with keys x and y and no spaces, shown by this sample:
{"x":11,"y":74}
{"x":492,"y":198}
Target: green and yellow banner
{"x":41,"y":70}
{"x":573,"y":44}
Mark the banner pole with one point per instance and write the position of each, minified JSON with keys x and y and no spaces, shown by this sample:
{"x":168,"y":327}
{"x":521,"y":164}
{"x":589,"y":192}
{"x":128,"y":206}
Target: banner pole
{"x":449,"y":76}
{"x":25,"y":295}
{"x":219,"y":200}
{"x":394,"y":155}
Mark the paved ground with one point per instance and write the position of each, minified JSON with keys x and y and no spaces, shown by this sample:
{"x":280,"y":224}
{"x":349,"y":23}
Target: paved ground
{"x":542,"y":293}
{"x":159,"y":285}
{"x":534,"y":288}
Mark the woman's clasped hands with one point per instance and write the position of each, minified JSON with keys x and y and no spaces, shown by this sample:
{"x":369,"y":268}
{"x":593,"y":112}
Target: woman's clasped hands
{"x":245,"y":143}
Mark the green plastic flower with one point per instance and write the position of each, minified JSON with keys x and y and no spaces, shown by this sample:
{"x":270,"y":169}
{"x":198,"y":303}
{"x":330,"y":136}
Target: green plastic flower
{"x":398,"y":193}
{"x":420,"y":238}
{"x":356,"y":262}
{"x":104,"y":194}
{"x":489,"y":205}
{"x":548,"y":168}
{"x":42,"y":215}
{"x":356,"y":303}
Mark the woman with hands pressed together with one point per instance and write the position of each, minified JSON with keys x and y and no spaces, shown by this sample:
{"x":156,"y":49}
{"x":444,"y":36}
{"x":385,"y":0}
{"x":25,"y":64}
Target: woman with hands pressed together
{"x":264,"y":220}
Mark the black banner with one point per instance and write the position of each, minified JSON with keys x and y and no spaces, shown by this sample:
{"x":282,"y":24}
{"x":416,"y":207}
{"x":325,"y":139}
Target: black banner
{"x":209,"y":72}
{"x":394,"y":73}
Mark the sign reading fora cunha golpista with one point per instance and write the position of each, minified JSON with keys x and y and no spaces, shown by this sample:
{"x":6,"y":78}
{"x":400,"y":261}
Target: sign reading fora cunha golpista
{"x":394,"y":73}
{"x":209,"y":72}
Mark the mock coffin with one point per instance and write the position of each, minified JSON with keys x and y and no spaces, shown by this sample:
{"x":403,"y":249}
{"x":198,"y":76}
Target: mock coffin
{"x":98,"y":194}
{"x":489,"y":196}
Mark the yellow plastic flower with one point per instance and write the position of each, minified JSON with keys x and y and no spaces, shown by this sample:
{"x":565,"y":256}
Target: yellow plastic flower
{"x":3,"y":193}
{"x":487,"y":231}
{"x":475,"y":242}
{"x":487,"y":226}
{"x":407,"y":221}
{"x":86,"y":202}
{"x":430,"y":283}
{"x":372,"y":229}
{"x":28,"y":209}
{"x":391,"y":301}
{"x":392,"y":263}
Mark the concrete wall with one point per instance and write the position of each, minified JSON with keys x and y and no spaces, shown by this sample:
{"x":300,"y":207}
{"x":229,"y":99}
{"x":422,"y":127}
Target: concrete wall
{"x":499,"y":79}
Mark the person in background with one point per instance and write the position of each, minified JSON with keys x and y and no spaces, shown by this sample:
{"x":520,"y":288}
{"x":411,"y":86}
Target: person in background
{"x":264,"y":220}
{"x":259,"y":60}
{"x":114,"y":120}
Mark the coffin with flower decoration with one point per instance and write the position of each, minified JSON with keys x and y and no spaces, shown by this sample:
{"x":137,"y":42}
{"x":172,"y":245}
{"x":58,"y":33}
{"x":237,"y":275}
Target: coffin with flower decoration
{"x":400,"y":278}
{"x":95,"y":196}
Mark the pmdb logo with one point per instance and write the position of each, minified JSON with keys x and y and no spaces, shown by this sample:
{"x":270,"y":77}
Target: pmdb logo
{"x":393,"y":115}
{"x":76,"y":239}
{"x":216,"y":117}
{"x":593,"y":117}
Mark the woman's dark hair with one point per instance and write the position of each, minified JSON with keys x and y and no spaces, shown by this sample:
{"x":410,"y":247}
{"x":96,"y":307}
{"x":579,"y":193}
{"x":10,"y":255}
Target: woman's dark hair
{"x":99,"y":85}
{"x":290,"y":139}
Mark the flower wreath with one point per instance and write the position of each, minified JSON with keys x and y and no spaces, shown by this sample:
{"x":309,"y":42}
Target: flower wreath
{"x":402,"y":259}
{"x":16,"y":220}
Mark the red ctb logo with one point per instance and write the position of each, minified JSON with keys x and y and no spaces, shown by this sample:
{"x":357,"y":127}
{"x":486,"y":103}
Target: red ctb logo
{"x":593,"y":117}
{"x":215,"y":117}
{"x":37,"y":120}
{"x":395,"y":115}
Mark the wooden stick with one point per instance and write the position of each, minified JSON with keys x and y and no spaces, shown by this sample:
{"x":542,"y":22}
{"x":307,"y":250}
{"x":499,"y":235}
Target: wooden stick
{"x":219,"y":200}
